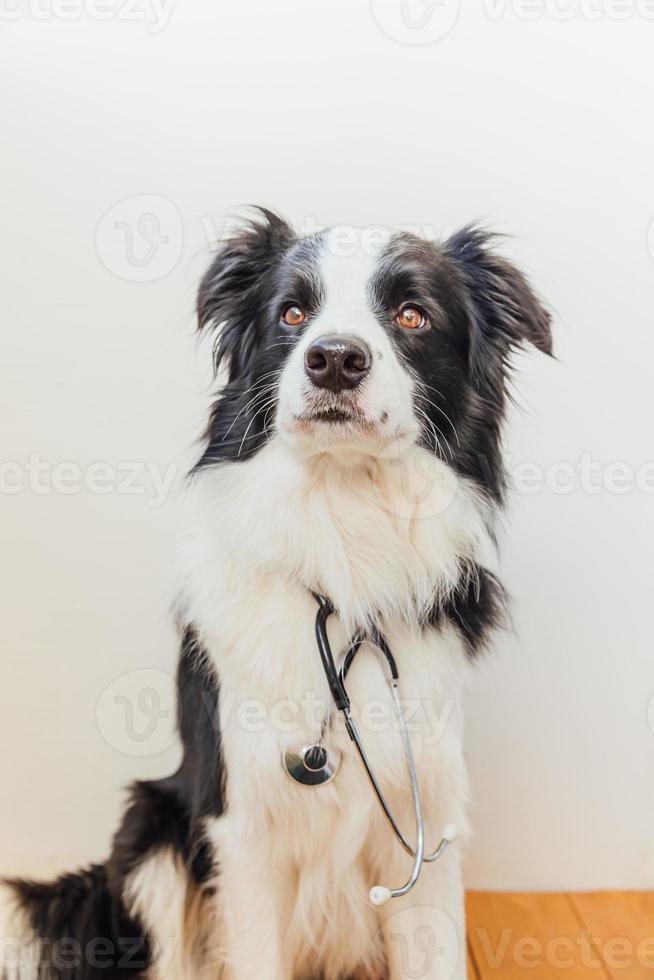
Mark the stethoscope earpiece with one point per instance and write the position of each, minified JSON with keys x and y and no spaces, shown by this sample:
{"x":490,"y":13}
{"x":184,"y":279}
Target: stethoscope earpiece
{"x":450,"y":833}
{"x":379,"y":895}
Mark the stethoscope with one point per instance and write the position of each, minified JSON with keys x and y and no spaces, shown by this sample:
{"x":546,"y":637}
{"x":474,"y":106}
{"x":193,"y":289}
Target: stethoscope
{"x":313,"y":765}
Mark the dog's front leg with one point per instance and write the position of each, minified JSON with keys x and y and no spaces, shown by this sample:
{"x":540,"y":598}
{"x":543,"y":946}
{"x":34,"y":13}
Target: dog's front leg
{"x":253,"y":899}
{"x":424,"y":932}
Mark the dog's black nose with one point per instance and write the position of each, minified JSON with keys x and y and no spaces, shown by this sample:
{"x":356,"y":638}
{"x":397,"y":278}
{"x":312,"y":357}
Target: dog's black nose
{"x":337,"y":363}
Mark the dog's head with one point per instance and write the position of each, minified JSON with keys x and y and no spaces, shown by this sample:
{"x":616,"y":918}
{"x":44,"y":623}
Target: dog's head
{"x":348,"y":342}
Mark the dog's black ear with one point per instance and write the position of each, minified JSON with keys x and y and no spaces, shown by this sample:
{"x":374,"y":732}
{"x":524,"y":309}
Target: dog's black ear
{"x":231,"y":294}
{"x":505,"y":310}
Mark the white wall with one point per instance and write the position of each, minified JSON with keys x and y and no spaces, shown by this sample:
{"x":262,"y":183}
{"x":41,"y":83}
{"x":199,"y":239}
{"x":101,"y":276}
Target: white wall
{"x":540,"y":127}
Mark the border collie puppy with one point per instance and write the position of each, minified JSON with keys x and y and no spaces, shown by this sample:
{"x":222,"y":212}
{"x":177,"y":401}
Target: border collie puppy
{"x":353,"y":451}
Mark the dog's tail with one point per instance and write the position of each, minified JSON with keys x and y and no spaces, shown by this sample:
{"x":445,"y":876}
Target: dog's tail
{"x":72,"y":928}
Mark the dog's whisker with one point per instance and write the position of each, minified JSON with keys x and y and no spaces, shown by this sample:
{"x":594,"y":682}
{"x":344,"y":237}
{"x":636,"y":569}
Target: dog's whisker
{"x":261,"y":394}
{"x":434,"y":428}
{"x":251,"y":423}
{"x":282,"y":343}
{"x":438,"y":408}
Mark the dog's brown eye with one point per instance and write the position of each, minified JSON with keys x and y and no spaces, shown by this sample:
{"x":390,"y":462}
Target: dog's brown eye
{"x":294,"y":316}
{"x":411,"y":318}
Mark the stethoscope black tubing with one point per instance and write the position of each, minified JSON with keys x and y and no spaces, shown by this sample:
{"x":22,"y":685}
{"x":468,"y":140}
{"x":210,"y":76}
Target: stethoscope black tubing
{"x":338,"y":692}
{"x":336,"y":679}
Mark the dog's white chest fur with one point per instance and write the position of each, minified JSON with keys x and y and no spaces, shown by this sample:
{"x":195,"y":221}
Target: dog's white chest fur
{"x":382,"y":540}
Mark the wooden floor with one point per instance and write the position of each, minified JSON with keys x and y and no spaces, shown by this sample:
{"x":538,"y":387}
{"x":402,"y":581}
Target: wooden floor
{"x":600,"y":935}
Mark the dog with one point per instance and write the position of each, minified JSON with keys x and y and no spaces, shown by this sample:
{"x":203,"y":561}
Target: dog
{"x":353,"y":450}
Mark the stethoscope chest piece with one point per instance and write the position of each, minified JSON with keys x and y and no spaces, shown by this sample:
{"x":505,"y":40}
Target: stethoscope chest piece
{"x":311,"y":765}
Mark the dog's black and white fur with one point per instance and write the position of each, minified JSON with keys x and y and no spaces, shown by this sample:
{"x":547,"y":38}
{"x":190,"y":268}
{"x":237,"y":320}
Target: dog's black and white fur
{"x":354,"y":449}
